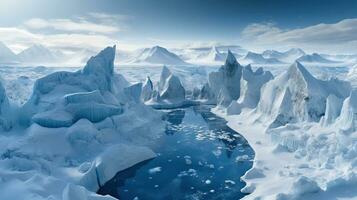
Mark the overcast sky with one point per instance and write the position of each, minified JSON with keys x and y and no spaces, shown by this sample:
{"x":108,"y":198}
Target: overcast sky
{"x":314,"y":25}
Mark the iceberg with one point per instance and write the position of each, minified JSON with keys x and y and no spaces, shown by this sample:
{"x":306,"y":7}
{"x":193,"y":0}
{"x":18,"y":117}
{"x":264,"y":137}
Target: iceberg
{"x":147,"y":90}
{"x":170,"y":92}
{"x":77,"y":130}
{"x":251,"y":84}
{"x":297,"y":96}
{"x":226,"y":81}
{"x":5,"y":115}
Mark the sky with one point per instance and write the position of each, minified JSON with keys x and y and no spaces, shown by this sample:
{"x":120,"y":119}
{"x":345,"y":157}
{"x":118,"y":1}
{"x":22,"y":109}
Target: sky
{"x":327,"y":26}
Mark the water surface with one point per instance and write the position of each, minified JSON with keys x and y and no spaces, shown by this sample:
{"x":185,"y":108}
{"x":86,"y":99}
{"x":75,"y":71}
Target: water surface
{"x":198,"y":158}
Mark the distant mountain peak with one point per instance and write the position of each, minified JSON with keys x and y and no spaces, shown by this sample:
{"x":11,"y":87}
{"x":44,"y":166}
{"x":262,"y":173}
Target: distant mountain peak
{"x":158,"y":55}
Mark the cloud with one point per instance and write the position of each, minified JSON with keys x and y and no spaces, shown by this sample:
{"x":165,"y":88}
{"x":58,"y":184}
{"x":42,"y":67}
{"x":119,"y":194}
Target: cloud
{"x":70,"y":25}
{"x":93,"y":31}
{"x":337,"y":37}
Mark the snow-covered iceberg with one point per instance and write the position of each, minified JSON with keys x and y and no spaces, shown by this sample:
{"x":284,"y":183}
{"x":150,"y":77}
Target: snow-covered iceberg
{"x":169,"y":93}
{"x":225,"y":84}
{"x":76,"y":132}
{"x":234,"y":86}
{"x":251,"y":83}
{"x":5,"y":111}
{"x":297,"y":96}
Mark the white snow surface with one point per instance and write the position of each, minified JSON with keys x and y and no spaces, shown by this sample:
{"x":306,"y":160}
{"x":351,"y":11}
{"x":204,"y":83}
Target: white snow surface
{"x":76,"y":131}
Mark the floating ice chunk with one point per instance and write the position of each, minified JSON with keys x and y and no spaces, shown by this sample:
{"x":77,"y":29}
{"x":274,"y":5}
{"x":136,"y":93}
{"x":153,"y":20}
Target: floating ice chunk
{"x":230,"y":182}
{"x":242,"y":158}
{"x":155,"y":170}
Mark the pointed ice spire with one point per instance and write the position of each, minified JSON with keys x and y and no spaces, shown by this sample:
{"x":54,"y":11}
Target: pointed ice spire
{"x":102,"y":62}
{"x":296,"y":67}
{"x":231,"y":60}
{"x":165,"y":73}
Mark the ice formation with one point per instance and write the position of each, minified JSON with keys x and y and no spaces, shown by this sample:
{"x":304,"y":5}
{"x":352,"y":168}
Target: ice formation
{"x":5,"y":119}
{"x":147,"y":90}
{"x":303,"y":132}
{"x":297,"y":96}
{"x":251,"y":84}
{"x":234,"y":86}
{"x":225,"y":84}
{"x":76,"y":132}
{"x":169,"y":93}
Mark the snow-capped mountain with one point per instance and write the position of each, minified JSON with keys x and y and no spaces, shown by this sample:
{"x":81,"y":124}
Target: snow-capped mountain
{"x":212,"y":56}
{"x":158,"y":55}
{"x":255,"y":58}
{"x":314,"y":58}
{"x":6,"y":55}
{"x":38,"y":54}
{"x":215,"y":55}
{"x":287,"y":56}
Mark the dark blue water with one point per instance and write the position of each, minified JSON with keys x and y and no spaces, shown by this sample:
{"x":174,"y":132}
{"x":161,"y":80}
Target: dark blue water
{"x":198,"y":158}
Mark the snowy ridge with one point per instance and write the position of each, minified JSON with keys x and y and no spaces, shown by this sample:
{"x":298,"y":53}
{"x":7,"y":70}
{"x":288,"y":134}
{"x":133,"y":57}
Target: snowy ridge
{"x":314,"y":58}
{"x":6,"y":55}
{"x":91,"y":117}
{"x":38,"y":54}
{"x":254,"y":58}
